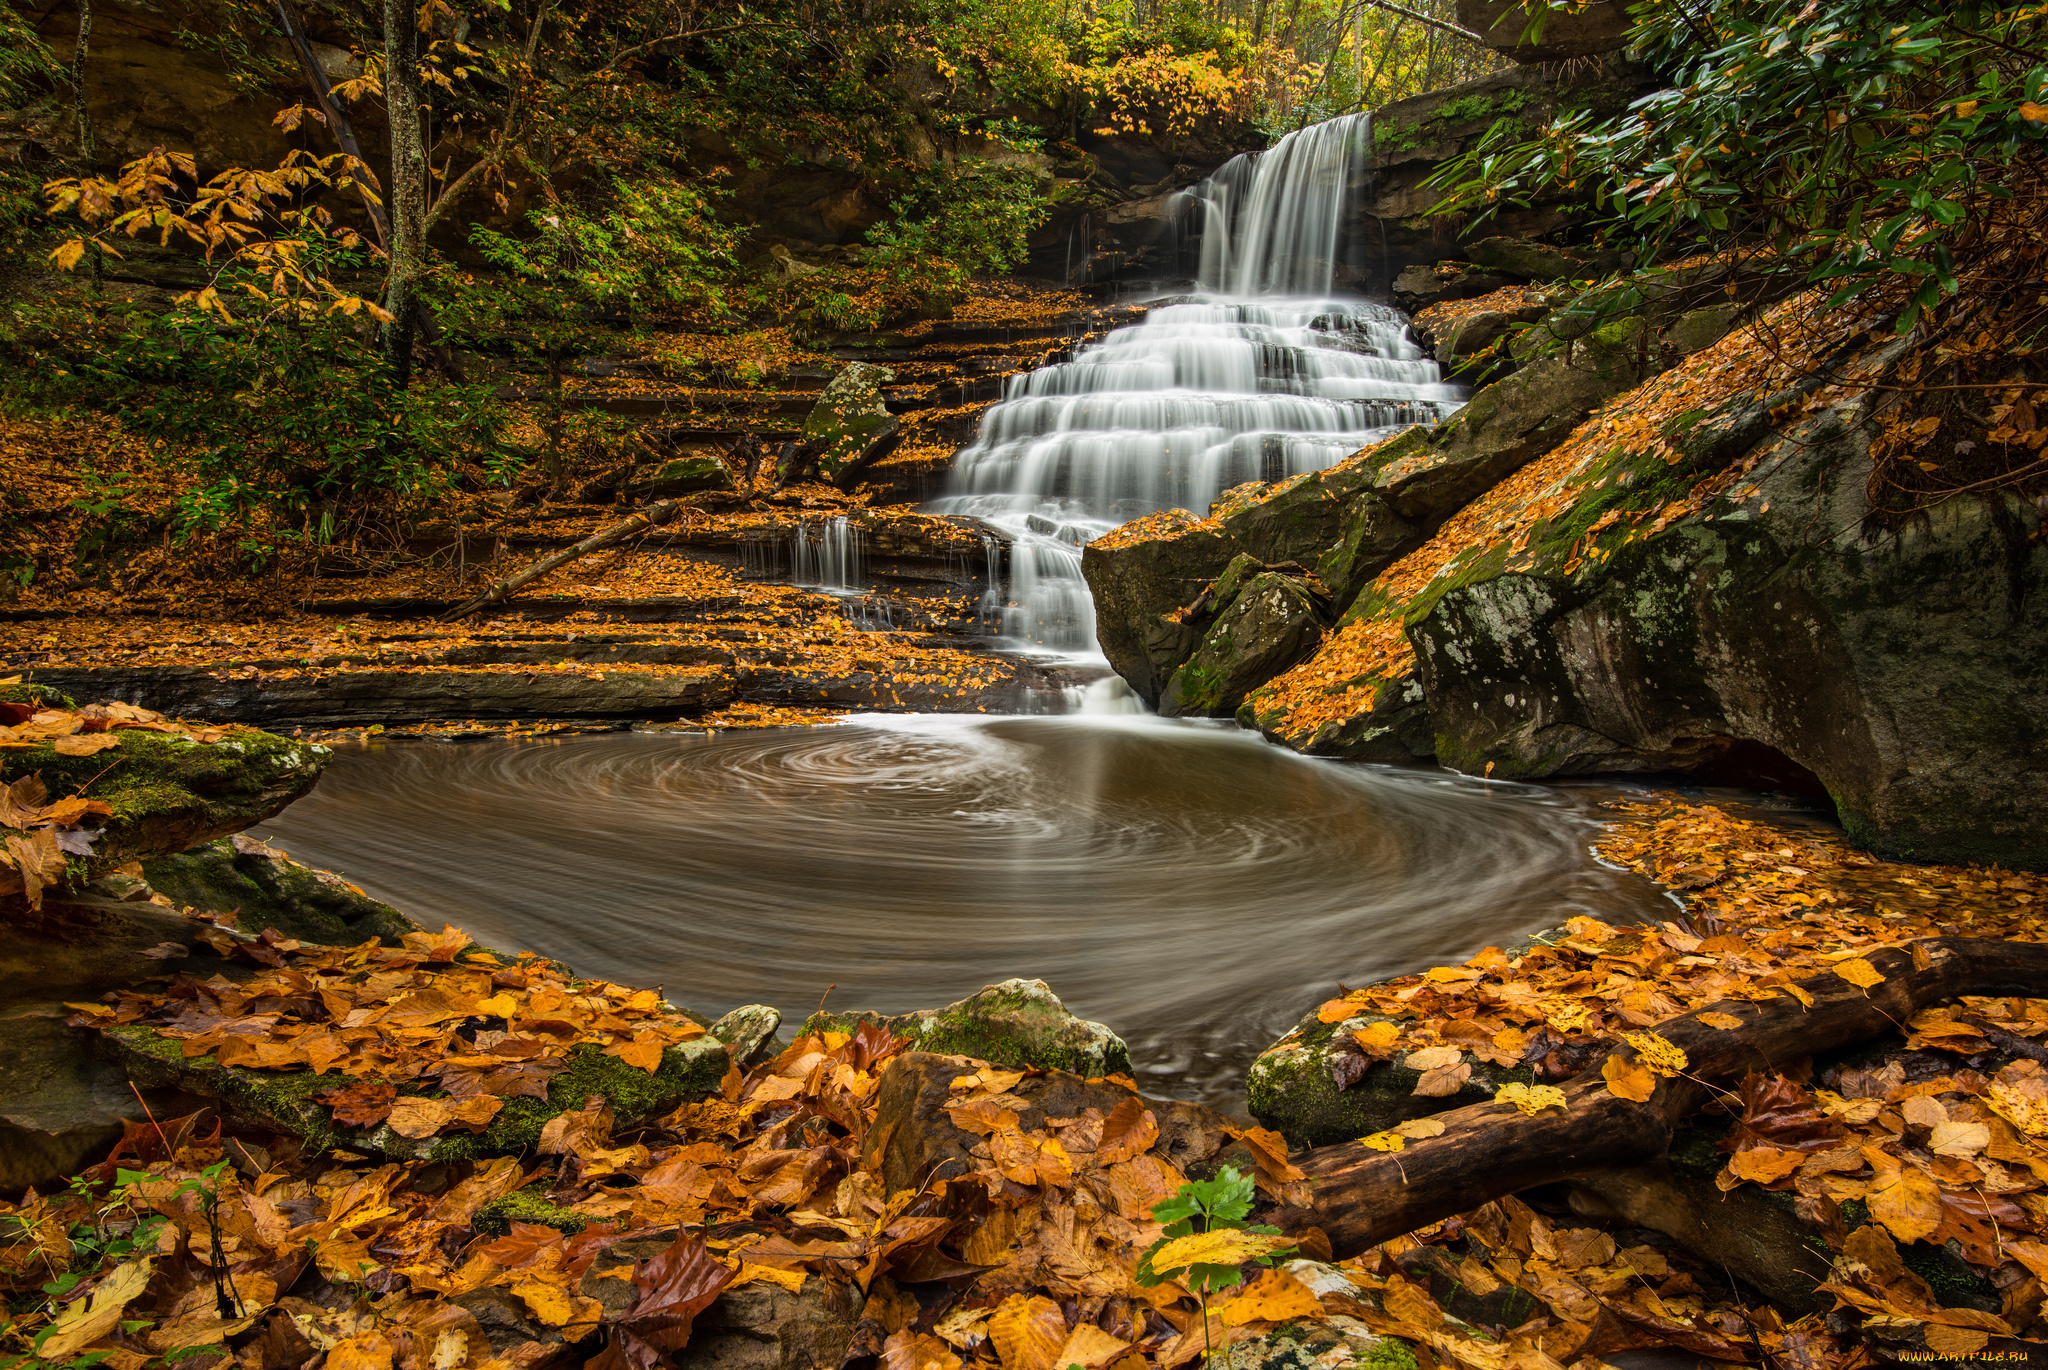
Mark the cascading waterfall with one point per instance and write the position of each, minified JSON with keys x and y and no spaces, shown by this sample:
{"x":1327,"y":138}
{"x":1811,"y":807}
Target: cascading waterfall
{"x":1260,"y":375}
{"x":826,"y":553}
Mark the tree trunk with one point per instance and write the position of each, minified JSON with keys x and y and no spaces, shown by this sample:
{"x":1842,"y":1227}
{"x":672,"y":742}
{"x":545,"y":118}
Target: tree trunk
{"x":408,"y":190}
{"x":84,"y":117}
{"x":337,"y":117}
{"x":1360,"y":1197}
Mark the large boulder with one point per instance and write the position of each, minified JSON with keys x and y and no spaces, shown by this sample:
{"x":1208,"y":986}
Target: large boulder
{"x":851,"y":425}
{"x":1018,"y":1023}
{"x":679,"y":476}
{"x":284,"y":1101}
{"x":1273,"y":622}
{"x":167,"y":790}
{"x":1142,"y":575}
{"x":1428,"y":474}
{"x":1898,"y":662}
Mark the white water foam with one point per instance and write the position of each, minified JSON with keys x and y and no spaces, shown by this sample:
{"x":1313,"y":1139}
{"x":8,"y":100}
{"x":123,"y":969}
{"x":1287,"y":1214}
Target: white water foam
{"x":1260,"y":375}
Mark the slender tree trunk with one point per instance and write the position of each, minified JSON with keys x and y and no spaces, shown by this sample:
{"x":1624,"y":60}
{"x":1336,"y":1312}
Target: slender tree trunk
{"x":408,"y":192}
{"x":84,"y":117}
{"x":337,"y":118}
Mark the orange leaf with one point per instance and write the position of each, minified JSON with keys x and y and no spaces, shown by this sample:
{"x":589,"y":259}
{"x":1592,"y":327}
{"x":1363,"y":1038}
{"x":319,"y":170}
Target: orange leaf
{"x":1628,"y":1079}
{"x":643,"y":1052}
{"x":1910,"y":1206}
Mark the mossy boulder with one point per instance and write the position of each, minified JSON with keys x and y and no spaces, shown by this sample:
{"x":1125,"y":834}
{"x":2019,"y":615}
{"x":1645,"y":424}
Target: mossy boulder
{"x":1898,"y":667}
{"x":1018,"y":1023}
{"x":851,"y":425}
{"x":680,"y":476}
{"x":1426,"y":475}
{"x":1294,"y":519}
{"x":285,"y":1101}
{"x":1141,"y":575}
{"x":1371,"y":536}
{"x":1293,"y":1087}
{"x":264,"y":888}
{"x":1271,"y":623}
{"x":169,"y":792}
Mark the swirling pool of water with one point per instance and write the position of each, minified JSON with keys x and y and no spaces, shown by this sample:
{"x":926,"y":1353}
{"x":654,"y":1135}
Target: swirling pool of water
{"x":1188,"y":884}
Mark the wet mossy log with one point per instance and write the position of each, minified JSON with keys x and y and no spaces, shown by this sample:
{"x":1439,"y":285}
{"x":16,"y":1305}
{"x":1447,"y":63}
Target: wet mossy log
{"x":1360,"y":1197}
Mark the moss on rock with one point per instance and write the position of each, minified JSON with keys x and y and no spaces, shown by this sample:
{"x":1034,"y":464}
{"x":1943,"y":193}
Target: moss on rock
{"x":169,"y":792}
{"x":263,"y":888}
{"x":528,"y":1205}
{"x":1291,"y":1088}
{"x":284,"y":1100}
{"x":1018,"y":1024}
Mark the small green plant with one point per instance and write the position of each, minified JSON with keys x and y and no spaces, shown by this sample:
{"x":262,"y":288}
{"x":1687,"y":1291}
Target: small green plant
{"x":1207,"y":1242}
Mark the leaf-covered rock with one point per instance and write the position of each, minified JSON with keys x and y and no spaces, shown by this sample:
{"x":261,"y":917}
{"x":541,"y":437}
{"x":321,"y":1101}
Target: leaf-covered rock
{"x":1017,"y":1023}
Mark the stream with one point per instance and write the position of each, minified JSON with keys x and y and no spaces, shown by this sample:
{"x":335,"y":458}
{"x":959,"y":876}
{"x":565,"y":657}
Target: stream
{"x":1190,"y":885}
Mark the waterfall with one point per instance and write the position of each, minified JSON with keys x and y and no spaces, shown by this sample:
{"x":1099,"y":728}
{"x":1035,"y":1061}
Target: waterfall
{"x":827,"y":554}
{"x":1260,"y":375}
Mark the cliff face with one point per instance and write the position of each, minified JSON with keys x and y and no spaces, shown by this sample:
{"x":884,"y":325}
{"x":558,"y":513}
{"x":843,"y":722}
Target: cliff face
{"x":1645,"y":552}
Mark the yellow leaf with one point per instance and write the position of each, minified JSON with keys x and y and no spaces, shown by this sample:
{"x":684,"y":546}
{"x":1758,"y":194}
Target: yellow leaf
{"x":1955,"y":1343}
{"x":1443,"y":1081}
{"x":1958,"y":1139}
{"x":364,"y":1351}
{"x":2024,"y":1111}
{"x":1858,"y":972}
{"x":1764,"y":1164}
{"x":1415,"y":1129}
{"x":1384,"y":1141}
{"x":95,"y":1316}
{"x":1723,"y":1021}
{"x":642,"y":1053}
{"x":547,"y":1302}
{"x":1028,"y":1333}
{"x":1628,"y":1079}
{"x":66,"y":256}
{"x":1660,"y":1056}
{"x":1433,"y":1058}
{"x":2034,"y":113}
{"x":1088,"y":1346}
{"x":1531,"y":1099}
{"x":1910,"y":1206}
{"x":1965,"y":108}
{"x":1225,"y":1246}
{"x":85,"y":744}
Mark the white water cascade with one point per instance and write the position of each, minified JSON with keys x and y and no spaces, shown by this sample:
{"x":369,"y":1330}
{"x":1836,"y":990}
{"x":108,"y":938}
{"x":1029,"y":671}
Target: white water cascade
{"x":826,"y":553}
{"x":1259,"y":375}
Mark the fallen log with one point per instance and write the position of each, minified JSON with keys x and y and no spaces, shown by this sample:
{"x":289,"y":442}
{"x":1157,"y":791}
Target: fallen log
{"x":653,"y":516}
{"x":1360,"y":1197}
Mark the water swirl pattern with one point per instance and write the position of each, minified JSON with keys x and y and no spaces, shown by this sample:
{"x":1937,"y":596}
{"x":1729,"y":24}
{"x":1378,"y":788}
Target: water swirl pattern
{"x":1258,"y":376}
{"x":1188,"y":884}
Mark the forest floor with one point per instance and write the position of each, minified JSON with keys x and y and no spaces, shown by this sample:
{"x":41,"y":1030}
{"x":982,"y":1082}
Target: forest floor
{"x":1940,"y":1143}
